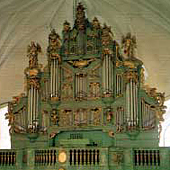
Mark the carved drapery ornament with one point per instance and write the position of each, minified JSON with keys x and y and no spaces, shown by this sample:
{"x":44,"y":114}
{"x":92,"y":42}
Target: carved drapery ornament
{"x":32,"y":53}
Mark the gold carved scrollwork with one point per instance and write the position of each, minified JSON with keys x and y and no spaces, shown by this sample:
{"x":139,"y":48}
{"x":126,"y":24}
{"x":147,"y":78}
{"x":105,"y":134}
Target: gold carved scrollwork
{"x":54,"y":117}
{"x":12,"y":118}
{"x":10,"y":115}
{"x":131,"y":75}
{"x":107,"y":51}
{"x":142,"y":74}
{"x":33,"y":82}
{"x":81,"y":63}
{"x":32,"y":53}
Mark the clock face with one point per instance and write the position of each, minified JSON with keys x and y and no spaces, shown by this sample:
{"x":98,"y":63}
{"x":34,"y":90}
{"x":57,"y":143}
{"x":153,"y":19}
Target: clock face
{"x":62,"y":157}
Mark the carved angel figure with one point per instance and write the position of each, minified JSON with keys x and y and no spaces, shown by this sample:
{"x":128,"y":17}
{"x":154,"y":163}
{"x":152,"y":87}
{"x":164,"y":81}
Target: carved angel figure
{"x":32,"y":53}
{"x":129,"y":45}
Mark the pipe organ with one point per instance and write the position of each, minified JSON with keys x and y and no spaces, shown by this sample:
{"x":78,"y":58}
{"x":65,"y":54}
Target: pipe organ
{"x":80,"y":85}
{"x":148,"y":116}
{"x":85,"y":110}
{"x":55,"y":78}
{"x":132,"y":102}
{"x":107,"y":74}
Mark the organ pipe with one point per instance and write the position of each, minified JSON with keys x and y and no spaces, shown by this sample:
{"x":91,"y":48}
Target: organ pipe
{"x":107,"y":74}
{"x":148,"y":115}
{"x":33,"y":99}
{"x":81,"y":85}
{"x":131,"y":102}
{"x":55,"y":78}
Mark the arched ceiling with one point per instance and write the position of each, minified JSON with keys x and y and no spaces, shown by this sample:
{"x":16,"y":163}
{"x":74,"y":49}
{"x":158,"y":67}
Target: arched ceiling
{"x":24,"y":21}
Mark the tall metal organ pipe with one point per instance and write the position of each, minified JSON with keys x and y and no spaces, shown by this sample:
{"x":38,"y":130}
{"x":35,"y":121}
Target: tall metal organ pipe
{"x":107,"y":74}
{"x":132,"y":103}
{"x":33,"y":99}
{"x":55,"y":78}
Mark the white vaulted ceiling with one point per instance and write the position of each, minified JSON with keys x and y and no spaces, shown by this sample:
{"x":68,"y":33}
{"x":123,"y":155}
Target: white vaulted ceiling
{"x":23,"y":21}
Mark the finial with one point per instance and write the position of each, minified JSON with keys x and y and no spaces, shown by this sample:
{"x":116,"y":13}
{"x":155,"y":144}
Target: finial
{"x":80,"y":17}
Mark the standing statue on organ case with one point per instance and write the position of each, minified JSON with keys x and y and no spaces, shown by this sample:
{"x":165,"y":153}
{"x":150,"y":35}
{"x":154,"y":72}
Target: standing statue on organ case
{"x":32,"y":53}
{"x":129,"y":46}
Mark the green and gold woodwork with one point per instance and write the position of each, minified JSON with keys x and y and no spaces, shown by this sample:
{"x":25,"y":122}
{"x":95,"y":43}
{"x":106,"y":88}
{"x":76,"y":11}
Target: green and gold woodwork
{"x":88,"y":108}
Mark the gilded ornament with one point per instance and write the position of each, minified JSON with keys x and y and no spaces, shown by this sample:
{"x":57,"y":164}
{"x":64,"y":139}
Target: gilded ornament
{"x":33,"y":82}
{"x":129,"y":46}
{"x":131,"y":75}
{"x":106,"y":35}
{"x":62,"y":157}
{"x":32,"y":54}
{"x":81,"y":63}
{"x":54,"y":117}
{"x":109,"y":115}
{"x":117,"y":158}
{"x":54,"y":46}
{"x":111,"y":133}
{"x":129,"y":64}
